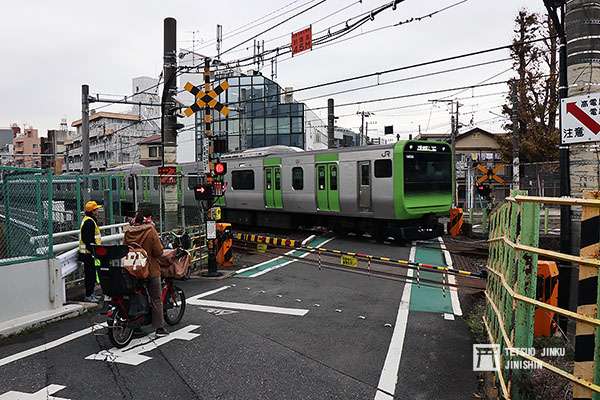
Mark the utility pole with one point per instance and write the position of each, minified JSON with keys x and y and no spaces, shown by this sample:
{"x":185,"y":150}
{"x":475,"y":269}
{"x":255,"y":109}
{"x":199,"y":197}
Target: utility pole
{"x":330,"y":124}
{"x":85,"y":128}
{"x":211,"y":243}
{"x":567,"y":278}
{"x":516,"y":138}
{"x":363,"y":132}
{"x":169,"y":119}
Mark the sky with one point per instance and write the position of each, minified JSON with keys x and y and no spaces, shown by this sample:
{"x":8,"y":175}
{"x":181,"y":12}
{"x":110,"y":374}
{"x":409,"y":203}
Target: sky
{"x":50,"y":48}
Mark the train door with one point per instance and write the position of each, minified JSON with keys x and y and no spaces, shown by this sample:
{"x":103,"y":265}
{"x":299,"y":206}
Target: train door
{"x":364,"y":185}
{"x":273,"y":198}
{"x":328,"y":198}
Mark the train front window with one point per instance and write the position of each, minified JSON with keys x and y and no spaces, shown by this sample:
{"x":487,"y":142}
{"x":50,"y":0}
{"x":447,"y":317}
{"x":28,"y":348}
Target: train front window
{"x":426,"y":172}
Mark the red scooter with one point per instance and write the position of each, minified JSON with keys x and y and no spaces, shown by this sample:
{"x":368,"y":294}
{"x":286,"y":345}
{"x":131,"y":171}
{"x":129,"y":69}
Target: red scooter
{"x":129,"y":306}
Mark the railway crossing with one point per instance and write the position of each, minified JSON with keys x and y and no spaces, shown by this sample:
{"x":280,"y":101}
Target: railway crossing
{"x":350,"y":335}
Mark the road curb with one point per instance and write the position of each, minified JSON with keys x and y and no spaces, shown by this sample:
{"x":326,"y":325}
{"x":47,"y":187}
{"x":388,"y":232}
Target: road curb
{"x":30,"y":322}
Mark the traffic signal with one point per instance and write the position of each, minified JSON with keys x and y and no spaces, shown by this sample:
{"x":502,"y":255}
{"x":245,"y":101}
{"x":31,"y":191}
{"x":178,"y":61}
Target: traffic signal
{"x":484,"y":190}
{"x":220,"y":168}
{"x":203,"y":192}
{"x":220,"y":145}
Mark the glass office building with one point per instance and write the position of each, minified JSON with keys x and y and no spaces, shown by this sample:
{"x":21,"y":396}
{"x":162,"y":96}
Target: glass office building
{"x":259,"y":117}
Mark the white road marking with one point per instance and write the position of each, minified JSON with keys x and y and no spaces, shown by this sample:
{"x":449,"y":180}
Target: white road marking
{"x":217,"y":311}
{"x":205,"y":294}
{"x":43,"y":394}
{"x":449,"y":317}
{"x":239,"y":271}
{"x":303,"y":255}
{"x":391,"y":366}
{"x":308,"y":239}
{"x":132,"y":354}
{"x":249,"y":307}
{"x":456,"y":309}
{"x":50,"y":345}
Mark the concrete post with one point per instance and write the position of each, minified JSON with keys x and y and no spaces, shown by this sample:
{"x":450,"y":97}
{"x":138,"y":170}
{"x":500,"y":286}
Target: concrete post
{"x":169,"y":119}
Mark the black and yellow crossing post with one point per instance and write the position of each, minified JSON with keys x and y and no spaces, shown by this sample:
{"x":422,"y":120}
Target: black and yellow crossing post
{"x":207,"y":99}
{"x":587,"y":344}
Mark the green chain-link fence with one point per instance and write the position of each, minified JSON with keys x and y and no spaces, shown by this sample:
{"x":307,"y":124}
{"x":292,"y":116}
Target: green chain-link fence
{"x":26,"y":211}
{"x":35,"y":205}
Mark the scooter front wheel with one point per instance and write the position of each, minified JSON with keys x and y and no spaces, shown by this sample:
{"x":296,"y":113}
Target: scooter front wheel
{"x":119,"y":331}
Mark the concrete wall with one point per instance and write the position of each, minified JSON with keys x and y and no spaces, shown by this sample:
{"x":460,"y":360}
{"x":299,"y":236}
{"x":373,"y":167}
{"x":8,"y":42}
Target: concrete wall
{"x":27,"y":288}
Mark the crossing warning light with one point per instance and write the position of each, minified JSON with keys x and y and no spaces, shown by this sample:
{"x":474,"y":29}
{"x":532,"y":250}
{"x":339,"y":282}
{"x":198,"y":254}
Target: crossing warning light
{"x":203,"y":192}
{"x":220,"y":168}
{"x":484,"y":190}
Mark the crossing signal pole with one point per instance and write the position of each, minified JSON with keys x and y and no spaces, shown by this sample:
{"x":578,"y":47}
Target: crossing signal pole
{"x":211,"y":242}
{"x":205,"y":100}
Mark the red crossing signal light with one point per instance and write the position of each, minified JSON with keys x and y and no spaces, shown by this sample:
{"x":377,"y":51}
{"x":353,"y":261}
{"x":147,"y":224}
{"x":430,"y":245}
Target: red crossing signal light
{"x":220,"y":168}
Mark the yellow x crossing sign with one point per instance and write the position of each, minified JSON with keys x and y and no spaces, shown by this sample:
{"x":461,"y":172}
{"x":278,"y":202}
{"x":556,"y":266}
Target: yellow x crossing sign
{"x":204,"y":99}
{"x":490,"y":174}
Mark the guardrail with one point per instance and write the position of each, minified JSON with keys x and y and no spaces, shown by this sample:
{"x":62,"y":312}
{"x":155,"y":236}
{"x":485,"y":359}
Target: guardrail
{"x":34,"y":239}
{"x":511,"y":291}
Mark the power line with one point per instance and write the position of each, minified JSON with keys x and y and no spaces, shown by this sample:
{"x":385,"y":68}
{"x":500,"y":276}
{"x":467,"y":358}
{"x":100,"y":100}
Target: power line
{"x":282,"y":50}
{"x":407,"y":21}
{"x":316,"y":22}
{"x":274,"y":26}
{"x":414,"y":94}
{"x":408,"y":78}
{"x":398,"y":69}
{"x":253,"y":24}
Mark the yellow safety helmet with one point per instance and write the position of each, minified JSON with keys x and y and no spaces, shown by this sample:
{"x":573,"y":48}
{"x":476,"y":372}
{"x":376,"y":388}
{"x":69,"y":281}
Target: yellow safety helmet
{"x":91,"y":206}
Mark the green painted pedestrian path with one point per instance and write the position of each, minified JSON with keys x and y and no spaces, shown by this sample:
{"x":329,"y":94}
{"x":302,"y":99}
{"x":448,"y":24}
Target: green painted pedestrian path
{"x":425,"y":297}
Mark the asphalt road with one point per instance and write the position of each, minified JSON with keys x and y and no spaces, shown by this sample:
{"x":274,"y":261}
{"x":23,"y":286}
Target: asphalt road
{"x":321,"y":334}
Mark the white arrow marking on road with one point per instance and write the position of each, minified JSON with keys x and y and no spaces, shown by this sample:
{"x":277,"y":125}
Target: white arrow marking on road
{"x":132,"y":354}
{"x":44,"y":394}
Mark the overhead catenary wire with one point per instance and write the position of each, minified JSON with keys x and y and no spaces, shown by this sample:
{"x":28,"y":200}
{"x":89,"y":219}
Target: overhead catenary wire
{"x":256,"y":22}
{"x":273,"y":27}
{"x":427,"y":75}
{"x":397,"y":69}
{"x":404,"y":22}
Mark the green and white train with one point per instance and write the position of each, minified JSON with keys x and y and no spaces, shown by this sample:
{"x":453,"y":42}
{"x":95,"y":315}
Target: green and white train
{"x":396,"y":190}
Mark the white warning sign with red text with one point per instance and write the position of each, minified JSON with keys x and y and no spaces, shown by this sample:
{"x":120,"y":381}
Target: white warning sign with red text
{"x":580,"y":119}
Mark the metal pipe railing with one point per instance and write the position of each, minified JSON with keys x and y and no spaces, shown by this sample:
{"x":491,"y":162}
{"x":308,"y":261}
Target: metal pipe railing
{"x":75,"y":232}
{"x":72,"y":245}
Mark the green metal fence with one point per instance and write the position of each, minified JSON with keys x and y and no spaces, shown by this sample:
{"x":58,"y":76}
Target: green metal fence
{"x":26,"y":210}
{"x":511,"y":298}
{"x":35,"y":204}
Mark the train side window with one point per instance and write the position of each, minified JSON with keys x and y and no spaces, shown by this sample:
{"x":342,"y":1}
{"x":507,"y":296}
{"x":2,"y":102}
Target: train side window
{"x":383,"y":168}
{"x":321,"y":169}
{"x":297,"y":178}
{"x":242,"y":180}
{"x":364,"y":175}
{"x":130,"y":182}
{"x":95,"y":184}
{"x":156,"y":182}
{"x":114,"y":183}
{"x":333,"y":183}
{"x":277,"y":178}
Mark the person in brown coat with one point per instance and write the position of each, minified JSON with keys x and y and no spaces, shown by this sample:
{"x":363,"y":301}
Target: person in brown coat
{"x":143,"y":232}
